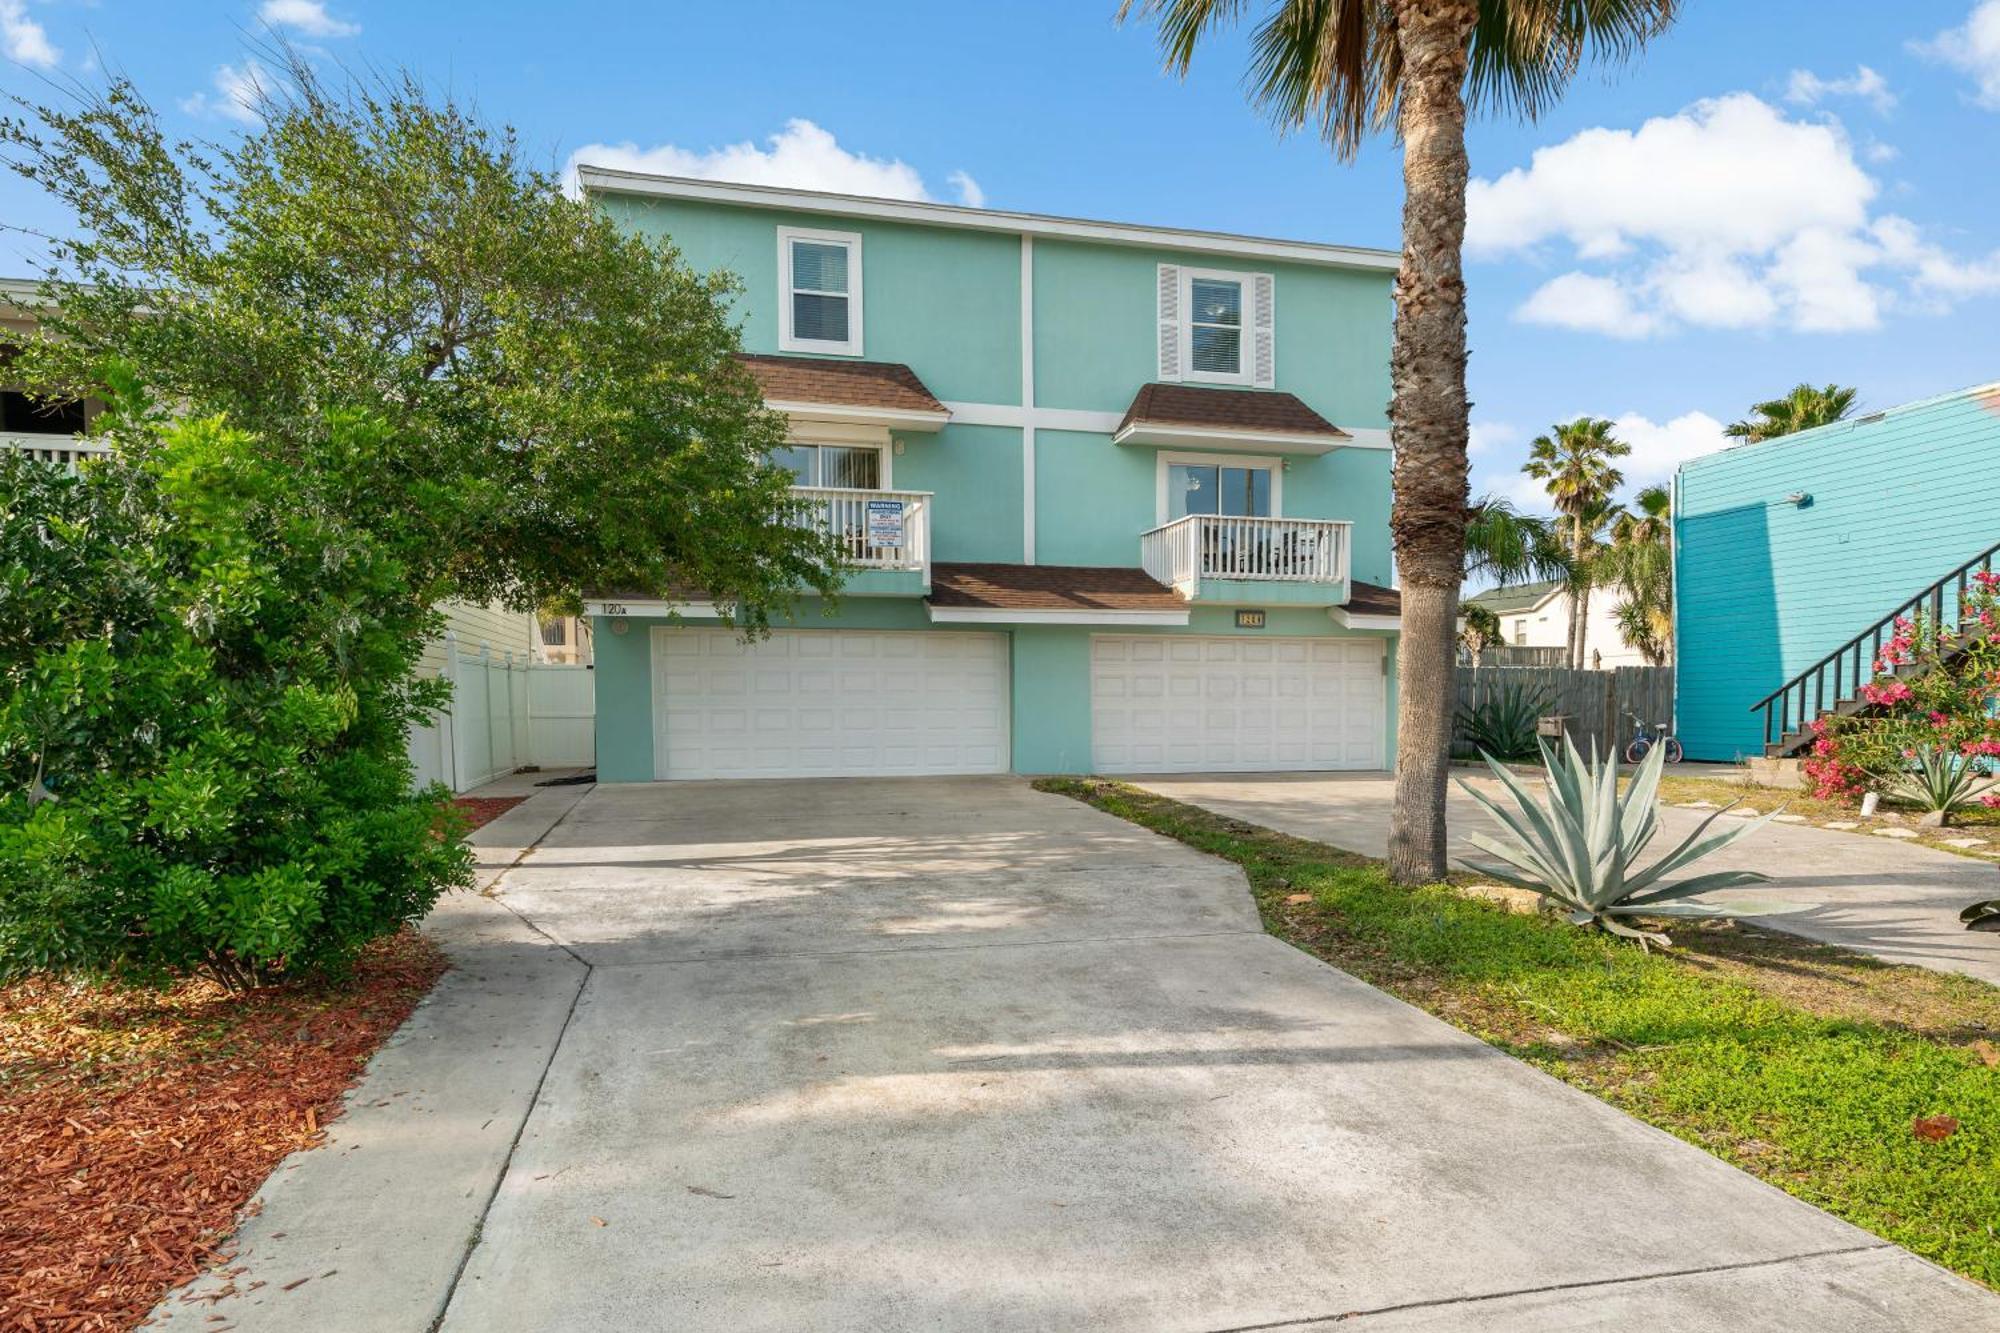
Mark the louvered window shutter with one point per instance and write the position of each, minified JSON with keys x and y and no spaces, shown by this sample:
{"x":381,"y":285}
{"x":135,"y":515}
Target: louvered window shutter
{"x":1263,"y":341}
{"x":1170,"y":321}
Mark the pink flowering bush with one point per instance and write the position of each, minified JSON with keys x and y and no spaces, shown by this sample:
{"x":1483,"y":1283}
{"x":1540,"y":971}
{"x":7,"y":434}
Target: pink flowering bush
{"x":1934,"y":713}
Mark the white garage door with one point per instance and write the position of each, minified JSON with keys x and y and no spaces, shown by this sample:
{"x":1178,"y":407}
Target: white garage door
{"x":828,"y":703}
{"x":1174,"y":704}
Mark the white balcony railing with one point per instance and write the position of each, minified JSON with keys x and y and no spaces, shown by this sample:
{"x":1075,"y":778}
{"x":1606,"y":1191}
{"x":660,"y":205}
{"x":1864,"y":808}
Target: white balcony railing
{"x":878,"y":529}
{"x":1222,"y":546}
{"x":67,"y":449}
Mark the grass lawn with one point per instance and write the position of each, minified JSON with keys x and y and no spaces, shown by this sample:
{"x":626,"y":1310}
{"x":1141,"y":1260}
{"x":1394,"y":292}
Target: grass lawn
{"x":134,"y":1123}
{"x":1809,"y":1066}
{"x":1681,"y":787}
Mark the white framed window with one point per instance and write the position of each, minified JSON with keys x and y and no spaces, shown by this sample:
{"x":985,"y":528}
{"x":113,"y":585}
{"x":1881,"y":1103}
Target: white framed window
{"x":1217,"y":326}
{"x":819,"y":291}
{"x":843,"y":466}
{"x":1227,"y":484}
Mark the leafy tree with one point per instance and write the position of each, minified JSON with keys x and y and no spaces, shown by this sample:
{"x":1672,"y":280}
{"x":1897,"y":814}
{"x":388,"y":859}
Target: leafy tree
{"x":1801,"y":409}
{"x":1639,"y":563}
{"x":206,"y":679}
{"x":1414,"y":68}
{"x":1574,"y":462}
{"x":409,"y":370}
{"x":565,"y":394}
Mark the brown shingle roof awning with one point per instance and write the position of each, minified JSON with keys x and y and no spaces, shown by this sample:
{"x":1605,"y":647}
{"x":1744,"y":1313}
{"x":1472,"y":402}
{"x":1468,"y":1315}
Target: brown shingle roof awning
{"x":1226,"y":418}
{"x":1068,"y":593}
{"x":884,"y":393}
{"x":1371,"y":601}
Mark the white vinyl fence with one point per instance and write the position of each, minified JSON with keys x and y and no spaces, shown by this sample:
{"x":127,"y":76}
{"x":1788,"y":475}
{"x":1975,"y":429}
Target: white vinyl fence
{"x":506,"y":712}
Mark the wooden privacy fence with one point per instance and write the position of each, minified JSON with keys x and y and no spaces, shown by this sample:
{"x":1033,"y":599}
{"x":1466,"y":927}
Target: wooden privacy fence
{"x":1596,"y":704}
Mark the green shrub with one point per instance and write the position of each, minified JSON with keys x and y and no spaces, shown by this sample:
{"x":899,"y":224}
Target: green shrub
{"x":205,"y":683}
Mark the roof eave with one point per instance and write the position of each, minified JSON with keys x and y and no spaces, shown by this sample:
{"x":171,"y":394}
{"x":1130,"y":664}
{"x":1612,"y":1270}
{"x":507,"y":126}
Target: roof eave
{"x":610,"y":180}
{"x":1163,"y":434}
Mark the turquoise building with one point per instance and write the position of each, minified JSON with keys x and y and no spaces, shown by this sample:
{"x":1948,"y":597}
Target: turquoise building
{"x":1784,"y":551}
{"x":1117,"y":497}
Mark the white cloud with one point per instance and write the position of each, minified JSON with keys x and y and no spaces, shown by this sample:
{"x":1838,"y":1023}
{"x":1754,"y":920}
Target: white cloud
{"x":1728,"y":214}
{"x":239,"y":93}
{"x":1809,"y":89}
{"x":1659,"y":448}
{"x":308,"y":16}
{"x":1589,"y":303}
{"x":802,"y":156}
{"x":1487,"y":436}
{"x":968,"y":189}
{"x":1973,"y":48}
{"x":23,"y":39}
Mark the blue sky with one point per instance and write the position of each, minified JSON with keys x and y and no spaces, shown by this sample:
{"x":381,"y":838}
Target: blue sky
{"x":1766,"y":196}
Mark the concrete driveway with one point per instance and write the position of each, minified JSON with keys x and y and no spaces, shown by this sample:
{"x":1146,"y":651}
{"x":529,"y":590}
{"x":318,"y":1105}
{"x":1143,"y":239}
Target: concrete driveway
{"x":1864,"y":892}
{"x":951,"y":1054}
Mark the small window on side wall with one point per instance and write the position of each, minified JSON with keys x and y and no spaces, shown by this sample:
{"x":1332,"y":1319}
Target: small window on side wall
{"x":819,"y":291}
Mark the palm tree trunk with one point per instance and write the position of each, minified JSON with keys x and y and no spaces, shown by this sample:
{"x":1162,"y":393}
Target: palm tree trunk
{"x":1428,"y":417}
{"x":1579,"y":601}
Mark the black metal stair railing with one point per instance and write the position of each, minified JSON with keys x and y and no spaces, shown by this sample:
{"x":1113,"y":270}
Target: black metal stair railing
{"x":1837,"y":678}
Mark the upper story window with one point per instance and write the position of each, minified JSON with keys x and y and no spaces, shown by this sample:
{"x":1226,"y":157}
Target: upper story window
{"x":819,"y":291}
{"x":1216,"y":326}
{"x":835,"y":465}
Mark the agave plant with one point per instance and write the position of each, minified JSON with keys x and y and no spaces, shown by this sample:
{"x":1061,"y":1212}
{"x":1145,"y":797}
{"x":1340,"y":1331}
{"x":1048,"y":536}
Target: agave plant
{"x":1940,"y":780}
{"x":1580,"y":849}
{"x":1503,"y":723}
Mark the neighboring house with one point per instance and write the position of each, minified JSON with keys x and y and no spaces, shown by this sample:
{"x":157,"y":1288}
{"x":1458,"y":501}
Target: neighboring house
{"x":1536,"y":615}
{"x":1118,"y":497}
{"x":1789,"y":551}
{"x":46,"y":430}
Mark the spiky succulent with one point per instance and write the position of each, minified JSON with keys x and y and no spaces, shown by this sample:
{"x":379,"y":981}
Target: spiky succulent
{"x":1580,"y":849}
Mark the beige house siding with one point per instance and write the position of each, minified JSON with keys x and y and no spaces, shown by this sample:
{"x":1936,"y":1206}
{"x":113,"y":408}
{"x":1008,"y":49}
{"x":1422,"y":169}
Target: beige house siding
{"x":500,"y":630}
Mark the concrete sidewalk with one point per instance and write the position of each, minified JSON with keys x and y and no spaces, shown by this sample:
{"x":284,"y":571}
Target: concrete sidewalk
{"x":953,"y":1054}
{"x":1874,"y":895}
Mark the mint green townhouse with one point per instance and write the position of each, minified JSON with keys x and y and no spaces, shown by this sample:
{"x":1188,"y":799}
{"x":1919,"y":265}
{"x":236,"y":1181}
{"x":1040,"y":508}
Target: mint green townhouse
{"x":1117,"y":498}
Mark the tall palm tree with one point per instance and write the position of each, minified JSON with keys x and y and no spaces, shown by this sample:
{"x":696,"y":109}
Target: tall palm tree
{"x":1640,"y":564}
{"x":1574,"y":462}
{"x":1801,"y":409}
{"x":1352,"y":68}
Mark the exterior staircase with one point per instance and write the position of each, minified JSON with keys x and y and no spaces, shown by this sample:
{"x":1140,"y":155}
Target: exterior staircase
{"x":1832,"y":685}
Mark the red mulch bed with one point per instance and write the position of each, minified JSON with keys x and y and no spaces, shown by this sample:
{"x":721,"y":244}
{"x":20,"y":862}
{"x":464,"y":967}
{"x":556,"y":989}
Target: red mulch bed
{"x":135,"y":1123}
{"x":485,"y":809}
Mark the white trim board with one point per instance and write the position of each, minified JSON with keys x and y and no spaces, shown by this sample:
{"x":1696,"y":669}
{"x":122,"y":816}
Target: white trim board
{"x":1087,"y":422}
{"x":613,"y":609}
{"x":889,"y":418}
{"x":1028,"y":494}
{"x":992,"y":615}
{"x":608,"y":180}
{"x":1215,"y":437}
{"x":1349,"y":620}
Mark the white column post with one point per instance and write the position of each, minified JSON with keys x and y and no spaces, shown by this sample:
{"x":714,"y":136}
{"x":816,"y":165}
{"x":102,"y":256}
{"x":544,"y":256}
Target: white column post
{"x":1027,"y":399}
{"x":448,"y":719}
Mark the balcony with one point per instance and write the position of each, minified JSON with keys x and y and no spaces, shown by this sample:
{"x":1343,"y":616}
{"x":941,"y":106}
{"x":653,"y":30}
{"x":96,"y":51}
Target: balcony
{"x":65,"y":449}
{"x":886,"y":535}
{"x":1224,"y":558}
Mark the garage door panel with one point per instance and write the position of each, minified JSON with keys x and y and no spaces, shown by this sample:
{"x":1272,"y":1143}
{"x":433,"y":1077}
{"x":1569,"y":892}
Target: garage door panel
{"x":826,"y":703}
{"x":1242,"y":705}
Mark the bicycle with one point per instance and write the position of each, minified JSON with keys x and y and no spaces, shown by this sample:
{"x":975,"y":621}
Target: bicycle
{"x":1643,"y":742}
